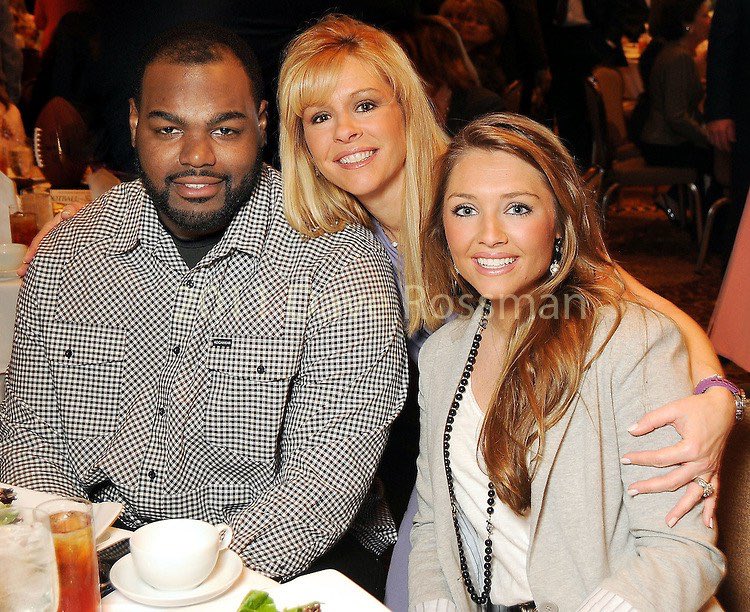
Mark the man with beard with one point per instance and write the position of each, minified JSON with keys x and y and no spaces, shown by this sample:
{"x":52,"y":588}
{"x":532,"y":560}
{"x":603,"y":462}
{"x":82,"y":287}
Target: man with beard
{"x":181,"y":350}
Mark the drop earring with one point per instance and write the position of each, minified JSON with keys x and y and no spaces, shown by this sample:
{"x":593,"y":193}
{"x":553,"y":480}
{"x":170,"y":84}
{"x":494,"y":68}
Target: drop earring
{"x":554,"y":267}
{"x":456,"y":286}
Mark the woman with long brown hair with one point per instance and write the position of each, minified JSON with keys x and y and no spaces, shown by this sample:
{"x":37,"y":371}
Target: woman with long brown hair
{"x":527,"y":401}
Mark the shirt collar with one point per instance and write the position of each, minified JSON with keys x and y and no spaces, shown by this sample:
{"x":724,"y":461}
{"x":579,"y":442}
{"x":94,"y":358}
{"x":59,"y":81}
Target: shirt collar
{"x":246,"y":233}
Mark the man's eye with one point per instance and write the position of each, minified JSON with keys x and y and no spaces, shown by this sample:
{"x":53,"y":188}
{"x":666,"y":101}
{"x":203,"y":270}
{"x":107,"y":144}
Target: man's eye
{"x":320,"y":118}
{"x":226,"y":131}
{"x":366,"y":106}
{"x":168,"y":130}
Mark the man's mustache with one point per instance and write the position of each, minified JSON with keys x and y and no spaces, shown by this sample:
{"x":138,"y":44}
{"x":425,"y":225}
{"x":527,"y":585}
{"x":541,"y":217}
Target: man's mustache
{"x":188,"y":173}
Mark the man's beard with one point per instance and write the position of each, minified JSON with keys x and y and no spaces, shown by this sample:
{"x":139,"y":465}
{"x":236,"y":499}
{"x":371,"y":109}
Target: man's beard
{"x":203,"y":223}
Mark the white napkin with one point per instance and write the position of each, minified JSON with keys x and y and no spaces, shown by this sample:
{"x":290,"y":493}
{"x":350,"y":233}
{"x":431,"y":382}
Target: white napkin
{"x":105,"y":513}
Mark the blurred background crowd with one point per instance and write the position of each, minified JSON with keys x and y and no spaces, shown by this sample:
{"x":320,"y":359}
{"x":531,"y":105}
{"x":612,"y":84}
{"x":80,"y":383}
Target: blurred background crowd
{"x":475,"y":56}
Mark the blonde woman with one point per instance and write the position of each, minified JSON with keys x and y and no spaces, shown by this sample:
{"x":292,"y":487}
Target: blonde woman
{"x":358,"y":142}
{"x":526,"y":403}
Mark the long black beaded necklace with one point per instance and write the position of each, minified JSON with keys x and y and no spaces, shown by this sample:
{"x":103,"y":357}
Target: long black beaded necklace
{"x":484,"y":597}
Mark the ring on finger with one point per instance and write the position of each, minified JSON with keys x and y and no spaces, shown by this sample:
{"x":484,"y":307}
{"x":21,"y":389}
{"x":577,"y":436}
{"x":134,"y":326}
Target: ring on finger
{"x":708,"y":488}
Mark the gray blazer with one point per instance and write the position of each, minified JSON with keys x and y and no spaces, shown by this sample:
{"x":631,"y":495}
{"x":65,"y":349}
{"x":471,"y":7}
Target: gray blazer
{"x":586,"y":531}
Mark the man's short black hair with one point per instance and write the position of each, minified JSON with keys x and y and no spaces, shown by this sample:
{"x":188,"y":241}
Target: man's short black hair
{"x":199,"y":43}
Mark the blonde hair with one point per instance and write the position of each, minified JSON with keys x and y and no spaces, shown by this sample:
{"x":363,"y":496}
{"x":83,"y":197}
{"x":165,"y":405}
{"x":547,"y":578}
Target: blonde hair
{"x":546,"y":357}
{"x":313,"y":205}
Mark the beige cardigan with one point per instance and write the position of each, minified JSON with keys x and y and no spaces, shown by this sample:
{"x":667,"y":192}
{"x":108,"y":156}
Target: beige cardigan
{"x":586,"y":531}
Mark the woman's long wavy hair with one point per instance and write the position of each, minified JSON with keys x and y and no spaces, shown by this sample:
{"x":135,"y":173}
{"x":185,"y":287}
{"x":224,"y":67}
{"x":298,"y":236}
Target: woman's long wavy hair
{"x":546,"y":356}
{"x":311,"y":67}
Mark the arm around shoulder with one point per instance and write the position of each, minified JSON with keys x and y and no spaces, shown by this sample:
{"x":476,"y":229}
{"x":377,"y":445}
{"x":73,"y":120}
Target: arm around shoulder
{"x":673,"y":568}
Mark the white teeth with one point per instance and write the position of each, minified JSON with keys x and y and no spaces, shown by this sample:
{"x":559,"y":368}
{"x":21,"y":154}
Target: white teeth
{"x":495,"y":263}
{"x":356,"y":157}
{"x":196,"y":185}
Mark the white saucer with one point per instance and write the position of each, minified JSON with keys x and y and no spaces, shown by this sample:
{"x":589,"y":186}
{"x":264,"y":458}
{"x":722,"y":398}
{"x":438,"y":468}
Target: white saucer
{"x":125,"y":579}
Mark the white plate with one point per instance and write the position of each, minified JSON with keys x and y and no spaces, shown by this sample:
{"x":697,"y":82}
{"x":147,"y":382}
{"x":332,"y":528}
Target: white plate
{"x":126,"y":580}
{"x":334,"y":591}
{"x":105,"y":513}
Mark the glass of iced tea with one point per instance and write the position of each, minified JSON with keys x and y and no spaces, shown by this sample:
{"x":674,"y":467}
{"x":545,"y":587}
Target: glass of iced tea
{"x":72,"y":526}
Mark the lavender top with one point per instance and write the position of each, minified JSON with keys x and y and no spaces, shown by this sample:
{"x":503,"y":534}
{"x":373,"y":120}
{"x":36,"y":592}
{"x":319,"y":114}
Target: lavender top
{"x":415,"y":341}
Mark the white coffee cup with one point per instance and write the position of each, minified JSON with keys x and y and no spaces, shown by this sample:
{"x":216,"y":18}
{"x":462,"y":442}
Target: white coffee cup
{"x":177,"y":554}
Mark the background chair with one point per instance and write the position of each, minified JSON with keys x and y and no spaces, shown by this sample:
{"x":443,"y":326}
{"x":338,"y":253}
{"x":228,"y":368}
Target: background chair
{"x":631,"y":170}
{"x":612,"y":89}
{"x":592,"y":181}
{"x":723,"y":176}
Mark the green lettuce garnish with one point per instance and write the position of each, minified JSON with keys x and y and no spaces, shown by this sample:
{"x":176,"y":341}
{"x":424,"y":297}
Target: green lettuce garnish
{"x":257,"y":601}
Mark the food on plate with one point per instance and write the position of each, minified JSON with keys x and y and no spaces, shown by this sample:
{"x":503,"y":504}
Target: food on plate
{"x":260,"y":601}
{"x":8,"y":514}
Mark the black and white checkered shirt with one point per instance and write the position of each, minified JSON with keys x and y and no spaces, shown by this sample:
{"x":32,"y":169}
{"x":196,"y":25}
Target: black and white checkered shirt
{"x":255,"y":389}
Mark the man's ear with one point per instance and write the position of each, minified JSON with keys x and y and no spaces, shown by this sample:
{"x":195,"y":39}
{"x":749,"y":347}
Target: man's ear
{"x":133,"y":120}
{"x":263,"y":120}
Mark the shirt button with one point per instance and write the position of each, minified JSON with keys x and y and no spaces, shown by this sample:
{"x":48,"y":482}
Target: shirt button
{"x":68,"y":353}
{"x":162,"y":411}
{"x":152,"y":474}
{"x":176,"y":350}
{"x":189,"y":283}
{"x":260,"y":369}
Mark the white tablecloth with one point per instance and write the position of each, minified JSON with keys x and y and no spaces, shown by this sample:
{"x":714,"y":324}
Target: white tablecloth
{"x":333,"y":590}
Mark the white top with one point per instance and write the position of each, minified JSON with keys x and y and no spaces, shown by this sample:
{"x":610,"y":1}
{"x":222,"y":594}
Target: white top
{"x":510,"y":533}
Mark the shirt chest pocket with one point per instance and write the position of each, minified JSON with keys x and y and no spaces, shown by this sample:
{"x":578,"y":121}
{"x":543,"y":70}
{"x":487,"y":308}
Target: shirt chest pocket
{"x":87,"y":369}
{"x":249,"y":383}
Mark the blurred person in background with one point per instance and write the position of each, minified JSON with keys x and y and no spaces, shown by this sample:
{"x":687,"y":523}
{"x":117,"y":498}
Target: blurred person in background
{"x":515,"y":24}
{"x":579,"y":34}
{"x":11,"y":125}
{"x":69,"y":66}
{"x":727,"y":107}
{"x":674,"y":133}
{"x":47,"y":14}
{"x":482,"y":25}
{"x":436,"y":50}
{"x":11,"y":61}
